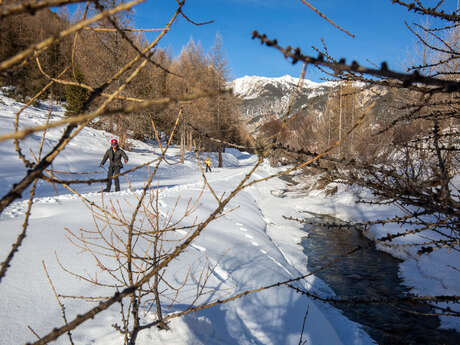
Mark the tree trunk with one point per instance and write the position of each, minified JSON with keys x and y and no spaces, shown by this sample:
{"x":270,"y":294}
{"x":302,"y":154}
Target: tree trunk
{"x":340,"y":119}
{"x":220,"y":156}
{"x":190,"y":141}
{"x":182,"y":147}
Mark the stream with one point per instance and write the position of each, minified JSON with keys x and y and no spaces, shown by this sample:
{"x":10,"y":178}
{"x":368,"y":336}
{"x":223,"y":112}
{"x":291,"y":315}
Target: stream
{"x":370,"y":272}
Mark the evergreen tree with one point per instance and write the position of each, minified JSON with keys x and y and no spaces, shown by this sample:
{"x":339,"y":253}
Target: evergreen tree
{"x":76,"y":96}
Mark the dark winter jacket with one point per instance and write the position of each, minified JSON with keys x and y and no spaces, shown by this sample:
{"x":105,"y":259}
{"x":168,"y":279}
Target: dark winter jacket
{"x":114,"y":157}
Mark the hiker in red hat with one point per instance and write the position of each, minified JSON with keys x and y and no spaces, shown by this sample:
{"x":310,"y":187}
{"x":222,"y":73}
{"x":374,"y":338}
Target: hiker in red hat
{"x":114,"y":155}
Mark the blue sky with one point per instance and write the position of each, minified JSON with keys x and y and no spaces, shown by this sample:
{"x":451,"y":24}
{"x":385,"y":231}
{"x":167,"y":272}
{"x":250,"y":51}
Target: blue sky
{"x":378,"y":26}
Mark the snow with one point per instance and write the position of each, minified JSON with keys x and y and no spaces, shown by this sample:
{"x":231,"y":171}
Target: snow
{"x":248,"y":87}
{"x":252,"y":245}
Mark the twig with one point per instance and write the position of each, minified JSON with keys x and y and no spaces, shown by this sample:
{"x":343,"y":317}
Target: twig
{"x":61,"y":306}
{"x":324,"y":17}
{"x":33,"y":6}
{"x":33,"y":332}
{"x":303,"y":326}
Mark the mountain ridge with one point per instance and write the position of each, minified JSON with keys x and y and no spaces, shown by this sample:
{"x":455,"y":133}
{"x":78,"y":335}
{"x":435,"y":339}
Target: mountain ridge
{"x":263,"y":98}
{"x":267,"y":98}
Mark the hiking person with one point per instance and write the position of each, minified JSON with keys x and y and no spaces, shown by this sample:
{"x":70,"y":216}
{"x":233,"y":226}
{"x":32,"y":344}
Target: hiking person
{"x":207,"y":162}
{"x":114,"y":155}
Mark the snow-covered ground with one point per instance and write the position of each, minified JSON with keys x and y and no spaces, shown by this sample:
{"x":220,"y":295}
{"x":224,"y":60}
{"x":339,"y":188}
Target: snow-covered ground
{"x":252,"y":245}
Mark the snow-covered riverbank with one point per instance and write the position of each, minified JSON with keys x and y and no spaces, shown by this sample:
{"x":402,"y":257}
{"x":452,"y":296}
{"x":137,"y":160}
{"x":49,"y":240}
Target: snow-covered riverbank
{"x":251,"y":246}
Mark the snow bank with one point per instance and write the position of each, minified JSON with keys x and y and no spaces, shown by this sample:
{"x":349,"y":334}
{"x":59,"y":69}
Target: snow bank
{"x":433,"y":274}
{"x":250,"y":246}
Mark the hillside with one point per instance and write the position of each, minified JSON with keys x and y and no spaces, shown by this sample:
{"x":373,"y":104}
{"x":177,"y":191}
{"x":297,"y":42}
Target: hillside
{"x":249,"y":246}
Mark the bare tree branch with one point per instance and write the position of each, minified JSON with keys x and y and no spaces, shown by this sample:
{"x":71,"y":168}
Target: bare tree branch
{"x":324,"y":17}
{"x":414,"y":78}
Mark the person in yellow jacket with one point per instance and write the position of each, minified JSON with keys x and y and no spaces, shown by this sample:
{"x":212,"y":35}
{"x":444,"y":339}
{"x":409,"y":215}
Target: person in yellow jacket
{"x":207,"y":162}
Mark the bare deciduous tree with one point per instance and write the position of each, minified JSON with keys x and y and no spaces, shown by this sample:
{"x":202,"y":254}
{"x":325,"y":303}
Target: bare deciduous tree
{"x":407,"y":153}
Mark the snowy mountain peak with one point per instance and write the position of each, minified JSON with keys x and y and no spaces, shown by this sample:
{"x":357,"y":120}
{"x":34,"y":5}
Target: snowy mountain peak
{"x":264,"y":97}
{"x":249,"y":87}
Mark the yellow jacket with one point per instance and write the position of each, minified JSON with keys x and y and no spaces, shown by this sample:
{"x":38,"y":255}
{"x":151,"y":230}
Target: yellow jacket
{"x":207,"y":161}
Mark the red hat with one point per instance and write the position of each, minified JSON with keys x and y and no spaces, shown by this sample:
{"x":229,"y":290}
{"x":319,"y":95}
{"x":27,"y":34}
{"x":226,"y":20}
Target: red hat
{"x":114,"y":141}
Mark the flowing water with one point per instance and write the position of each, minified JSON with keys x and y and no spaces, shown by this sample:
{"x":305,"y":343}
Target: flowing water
{"x":370,"y":272}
